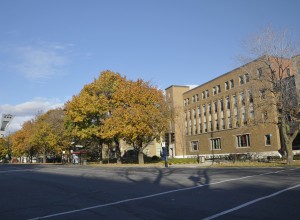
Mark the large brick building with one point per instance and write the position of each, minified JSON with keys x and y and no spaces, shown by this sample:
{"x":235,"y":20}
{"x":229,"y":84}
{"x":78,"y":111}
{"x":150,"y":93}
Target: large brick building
{"x":228,"y":115}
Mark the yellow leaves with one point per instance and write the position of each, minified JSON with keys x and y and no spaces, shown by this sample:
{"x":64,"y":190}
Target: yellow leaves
{"x":139,"y":109}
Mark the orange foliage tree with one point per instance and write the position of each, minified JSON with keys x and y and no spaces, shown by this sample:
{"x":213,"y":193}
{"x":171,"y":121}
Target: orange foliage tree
{"x":113,"y":108}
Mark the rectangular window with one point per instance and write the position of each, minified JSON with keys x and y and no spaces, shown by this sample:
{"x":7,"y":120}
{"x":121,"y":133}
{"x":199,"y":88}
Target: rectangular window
{"x":244,"y":120}
{"x":231,"y":83}
{"x":210,"y":126}
{"x":229,"y":122}
{"x":251,"y":111}
{"x":218,"y":88}
{"x":204,"y":110}
{"x":215,"y":144}
{"x":197,"y":97}
{"x":186,"y":129}
{"x":221,"y":105}
{"x":216,"y":124}
{"x":234,"y":101}
{"x":243,"y":140}
{"x":209,"y":108}
{"x":200,"y":127}
{"x":214,"y":90}
{"x":207,"y":93}
{"x":242,"y":99}
{"x":247,"y":77}
{"x":223,"y":123}
{"x":250,"y":96}
{"x":216,"y":106}
{"x":194,"y":146}
{"x":228,"y":102}
{"x":241,"y":80}
{"x":199,"y":112}
{"x":203,"y":95}
{"x":226,"y":85}
{"x":259,"y":73}
{"x":237,"y":124}
{"x":268,"y":139}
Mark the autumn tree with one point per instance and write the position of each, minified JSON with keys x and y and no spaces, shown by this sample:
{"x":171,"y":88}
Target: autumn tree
{"x":21,"y":141}
{"x":48,"y":133}
{"x":140,"y":115}
{"x":4,"y":150}
{"x":113,"y":108}
{"x":276,"y":79}
{"x":86,"y":112}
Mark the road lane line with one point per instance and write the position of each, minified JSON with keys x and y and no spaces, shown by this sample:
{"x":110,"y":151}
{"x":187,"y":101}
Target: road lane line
{"x":14,"y":171}
{"x":149,"y":196}
{"x":250,"y":203}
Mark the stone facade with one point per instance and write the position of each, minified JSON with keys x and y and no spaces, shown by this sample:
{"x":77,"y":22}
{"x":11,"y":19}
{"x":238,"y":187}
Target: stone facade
{"x":227,"y":115}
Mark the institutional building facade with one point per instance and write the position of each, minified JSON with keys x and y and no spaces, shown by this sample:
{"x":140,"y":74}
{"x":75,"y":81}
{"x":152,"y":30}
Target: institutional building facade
{"x":228,"y":115}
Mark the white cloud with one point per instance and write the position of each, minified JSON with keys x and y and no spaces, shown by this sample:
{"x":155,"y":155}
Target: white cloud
{"x":39,"y":63}
{"x":28,"y":110}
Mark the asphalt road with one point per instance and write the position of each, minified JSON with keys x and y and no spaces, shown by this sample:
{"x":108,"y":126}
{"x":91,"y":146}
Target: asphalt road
{"x":84,"y":192}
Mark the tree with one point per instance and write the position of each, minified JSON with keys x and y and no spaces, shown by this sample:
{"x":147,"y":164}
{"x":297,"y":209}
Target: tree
{"x":48,"y":133}
{"x":4,"y":150}
{"x":113,"y":108}
{"x":21,"y":141}
{"x":140,"y":114}
{"x":45,"y":134}
{"x":87,"y":112}
{"x":276,"y":79}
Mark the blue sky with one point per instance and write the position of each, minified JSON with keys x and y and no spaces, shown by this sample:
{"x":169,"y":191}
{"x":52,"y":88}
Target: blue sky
{"x":49,"y":49}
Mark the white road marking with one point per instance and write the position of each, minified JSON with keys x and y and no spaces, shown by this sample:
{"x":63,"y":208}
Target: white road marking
{"x":150,"y":196}
{"x":249,"y":203}
{"x":14,"y":171}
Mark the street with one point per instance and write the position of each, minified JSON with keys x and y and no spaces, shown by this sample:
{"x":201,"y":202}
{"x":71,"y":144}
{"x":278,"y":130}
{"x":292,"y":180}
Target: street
{"x":98,"y":192}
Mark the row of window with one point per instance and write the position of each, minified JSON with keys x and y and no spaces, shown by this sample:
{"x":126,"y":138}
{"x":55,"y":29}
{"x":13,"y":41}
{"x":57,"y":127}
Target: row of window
{"x":241,"y":141}
{"x":215,"y":104}
{"x":217,"y":89}
{"x":204,"y":120}
{"x":260,"y":73}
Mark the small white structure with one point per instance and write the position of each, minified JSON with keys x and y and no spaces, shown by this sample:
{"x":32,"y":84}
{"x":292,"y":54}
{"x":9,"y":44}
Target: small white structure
{"x":5,"y":121}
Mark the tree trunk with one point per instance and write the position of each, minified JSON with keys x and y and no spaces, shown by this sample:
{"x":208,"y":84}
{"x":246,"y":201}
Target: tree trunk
{"x":141,"y":157}
{"x":100,"y":152}
{"x":289,"y":152}
{"x":44,"y":156}
{"x":118,"y":152}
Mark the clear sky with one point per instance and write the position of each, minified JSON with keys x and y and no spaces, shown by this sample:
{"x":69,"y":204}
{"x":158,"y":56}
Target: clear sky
{"x":50,"y":48}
